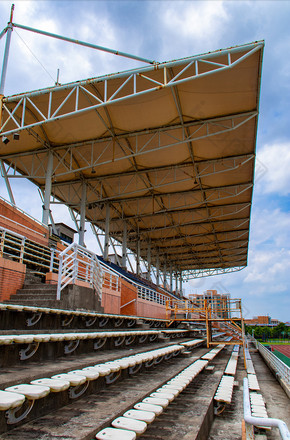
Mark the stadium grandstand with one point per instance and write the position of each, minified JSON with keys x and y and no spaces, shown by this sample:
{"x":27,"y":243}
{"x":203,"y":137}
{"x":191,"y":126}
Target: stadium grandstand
{"x":159,"y":160}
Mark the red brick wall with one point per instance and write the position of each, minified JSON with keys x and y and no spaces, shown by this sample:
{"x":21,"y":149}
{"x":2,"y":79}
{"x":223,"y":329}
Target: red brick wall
{"x":15,"y":220}
{"x":128,"y":293}
{"x":12,"y":276}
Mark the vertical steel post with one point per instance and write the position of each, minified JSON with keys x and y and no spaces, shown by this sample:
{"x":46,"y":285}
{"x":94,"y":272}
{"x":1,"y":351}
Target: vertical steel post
{"x":9,"y":189}
{"x":138,"y":256}
{"x":107,"y":232}
{"x":176,"y":282}
{"x":47,"y":191}
{"x":83,"y":215}
{"x":164,"y":274}
{"x":171,"y":278}
{"x":6,"y":53}
{"x":149,"y":260}
{"x":124,"y":246}
{"x":157,"y":269}
{"x":180,"y":283}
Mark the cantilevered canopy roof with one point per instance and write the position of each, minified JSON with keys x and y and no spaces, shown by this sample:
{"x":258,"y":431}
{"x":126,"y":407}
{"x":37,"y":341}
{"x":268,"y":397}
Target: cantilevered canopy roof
{"x":170,"y":148}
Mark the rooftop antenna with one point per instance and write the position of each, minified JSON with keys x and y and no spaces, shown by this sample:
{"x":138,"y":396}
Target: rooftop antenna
{"x":8,"y":30}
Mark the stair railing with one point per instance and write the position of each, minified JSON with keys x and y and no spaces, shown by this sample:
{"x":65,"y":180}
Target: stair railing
{"x":77,"y":263}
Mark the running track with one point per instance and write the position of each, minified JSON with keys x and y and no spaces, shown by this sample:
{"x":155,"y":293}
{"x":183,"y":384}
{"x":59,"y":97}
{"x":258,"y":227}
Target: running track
{"x":285,"y":349}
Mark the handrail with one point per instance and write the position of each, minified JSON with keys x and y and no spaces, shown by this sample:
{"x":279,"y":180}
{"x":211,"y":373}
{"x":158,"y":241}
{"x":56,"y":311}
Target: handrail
{"x":124,"y":305}
{"x":78,"y":263}
{"x":275,"y":363}
{"x":262,"y":421}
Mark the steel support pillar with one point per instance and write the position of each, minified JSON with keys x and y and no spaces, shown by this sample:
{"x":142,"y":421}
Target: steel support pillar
{"x":170,"y":278}
{"x":83,"y":215}
{"x":138,"y":256}
{"x":8,"y":186}
{"x":149,"y":261}
{"x":124,"y":246}
{"x":180,"y":279}
{"x":176,"y":282}
{"x":47,"y":191}
{"x":157,"y":270}
{"x":165,"y":275}
{"x":107,"y":232}
{"x":6,"y":52}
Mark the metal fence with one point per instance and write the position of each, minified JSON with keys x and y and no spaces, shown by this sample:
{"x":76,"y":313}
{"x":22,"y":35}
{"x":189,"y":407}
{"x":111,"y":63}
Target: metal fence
{"x":275,"y":363}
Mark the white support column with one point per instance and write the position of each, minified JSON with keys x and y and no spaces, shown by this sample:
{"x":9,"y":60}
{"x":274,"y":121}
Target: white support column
{"x":138,"y":256}
{"x":149,"y":261}
{"x":157,"y":270}
{"x":124,"y":246}
{"x":83,"y":215}
{"x":47,"y":191}
{"x":107,"y":232}
{"x":165,"y":274}
{"x":176,"y":282}
{"x":8,"y":186}
{"x":170,"y":278}
{"x":180,"y":279}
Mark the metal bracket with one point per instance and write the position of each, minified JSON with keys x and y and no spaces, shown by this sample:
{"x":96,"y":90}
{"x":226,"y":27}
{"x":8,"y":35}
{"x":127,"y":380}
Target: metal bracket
{"x":90,"y":321}
{"x":75,"y":392}
{"x":129,"y":340}
{"x":158,"y":360}
{"x":33,"y":319}
{"x":131,"y":323}
{"x":119,"y":322}
{"x":149,"y":364}
{"x":103,"y":322}
{"x":142,"y":339}
{"x":11,"y":416}
{"x":168,"y":356}
{"x":99,"y":343}
{"x":28,"y":352}
{"x":67,"y":321}
{"x":135,"y":369}
{"x":119,"y":341}
{"x":112,"y":377}
{"x":153,"y":338}
{"x":71,"y":346}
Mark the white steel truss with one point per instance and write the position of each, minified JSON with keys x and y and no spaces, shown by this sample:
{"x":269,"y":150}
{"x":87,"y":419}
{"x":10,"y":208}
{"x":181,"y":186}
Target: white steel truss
{"x":138,"y":82}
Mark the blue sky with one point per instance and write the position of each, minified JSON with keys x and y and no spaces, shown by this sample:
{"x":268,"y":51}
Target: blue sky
{"x":165,"y":30}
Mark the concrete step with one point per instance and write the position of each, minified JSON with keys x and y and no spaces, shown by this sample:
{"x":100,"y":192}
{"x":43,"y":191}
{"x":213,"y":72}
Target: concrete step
{"x":39,"y":286}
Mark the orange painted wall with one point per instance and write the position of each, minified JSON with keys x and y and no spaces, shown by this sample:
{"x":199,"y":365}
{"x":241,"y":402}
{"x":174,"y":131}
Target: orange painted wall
{"x":12,"y":276}
{"x":128,"y":294}
{"x":111,"y":301}
{"x":15,"y":220}
{"x":150,"y":309}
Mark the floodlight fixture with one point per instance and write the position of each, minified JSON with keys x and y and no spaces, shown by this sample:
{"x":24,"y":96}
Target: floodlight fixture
{"x":16,"y":136}
{"x":5,"y":140}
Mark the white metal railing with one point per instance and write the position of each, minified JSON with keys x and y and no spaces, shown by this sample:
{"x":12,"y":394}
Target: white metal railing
{"x":23,"y":250}
{"x":144,"y":292}
{"x":78,"y":263}
{"x":260,"y":421}
{"x":275,"y":363}
{"x":151,"y":294}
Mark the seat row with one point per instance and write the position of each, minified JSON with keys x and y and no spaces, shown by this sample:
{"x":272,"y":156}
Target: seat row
{"x":258,"y":407}
{"x":89,"y":318}
{"x":70,"y":341}
{"x":135,"y":421}
{"x":18,"y":400}
{"x":224,"y":392}
{"x":212,"y":353}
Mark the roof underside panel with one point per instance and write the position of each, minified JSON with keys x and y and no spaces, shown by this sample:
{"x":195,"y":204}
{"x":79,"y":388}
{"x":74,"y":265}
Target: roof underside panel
{"x":171,"y":149}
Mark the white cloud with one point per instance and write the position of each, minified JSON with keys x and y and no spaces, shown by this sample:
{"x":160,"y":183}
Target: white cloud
{"x":275,"y":160}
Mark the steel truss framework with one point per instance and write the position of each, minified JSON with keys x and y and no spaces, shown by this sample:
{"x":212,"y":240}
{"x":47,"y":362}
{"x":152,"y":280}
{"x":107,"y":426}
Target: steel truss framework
{"x":169,"y":147}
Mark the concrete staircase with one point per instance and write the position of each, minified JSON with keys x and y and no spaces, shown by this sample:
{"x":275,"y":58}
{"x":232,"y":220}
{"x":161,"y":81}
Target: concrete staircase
{"x":36,"y":293}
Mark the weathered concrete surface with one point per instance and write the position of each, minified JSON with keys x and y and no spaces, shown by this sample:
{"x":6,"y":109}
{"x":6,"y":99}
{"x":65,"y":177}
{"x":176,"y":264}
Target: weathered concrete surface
{"x":228,"y":425}
{"x":82,"y":419}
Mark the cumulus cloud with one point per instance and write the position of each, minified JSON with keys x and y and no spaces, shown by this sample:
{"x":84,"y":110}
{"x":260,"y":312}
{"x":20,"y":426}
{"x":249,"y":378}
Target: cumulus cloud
{"x":274,"y":160}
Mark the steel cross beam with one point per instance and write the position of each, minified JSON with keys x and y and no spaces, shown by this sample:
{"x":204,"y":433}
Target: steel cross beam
{"x":201,"y":273}
{"x":134,"y":80}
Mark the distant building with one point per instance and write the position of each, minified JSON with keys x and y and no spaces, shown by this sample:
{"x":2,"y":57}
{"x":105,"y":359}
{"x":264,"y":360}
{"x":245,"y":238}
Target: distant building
{"x":64,"y":232}
{"x":219,"y":302}
{"x":262,"y":321}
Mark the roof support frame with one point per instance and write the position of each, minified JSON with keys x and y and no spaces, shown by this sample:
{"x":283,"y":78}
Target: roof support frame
{"x":132,"y":77}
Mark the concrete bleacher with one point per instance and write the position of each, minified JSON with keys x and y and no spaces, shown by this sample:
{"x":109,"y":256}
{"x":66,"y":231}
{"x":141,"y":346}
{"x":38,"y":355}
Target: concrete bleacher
{"x":224,"y":392}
